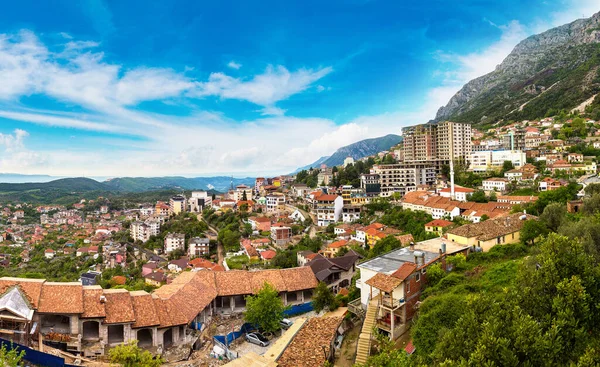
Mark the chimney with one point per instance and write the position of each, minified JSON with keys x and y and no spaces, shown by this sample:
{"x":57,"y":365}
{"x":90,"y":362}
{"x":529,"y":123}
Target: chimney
{"x":416,"y":260}
{"x":412,"y":246}
{"x":102,"y":299}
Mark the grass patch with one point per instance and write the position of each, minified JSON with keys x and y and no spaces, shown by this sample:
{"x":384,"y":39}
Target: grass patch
{"x":527,"y":191}
{"x":240,"y":262}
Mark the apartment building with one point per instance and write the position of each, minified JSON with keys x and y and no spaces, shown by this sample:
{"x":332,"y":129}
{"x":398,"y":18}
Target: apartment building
{"x":325,"y":177}
{"x":199,"y":201}
{"x":514,"y":140}
{"x":275,"y":202}
{"x":174,"y":241}
{"x":242,"y":191}
{"x":403,"y":177}
{"x":198,"y":247}
{"x":141,"y":231}
{"x":437,"y":141}
{"x":177,"y":204}
{"x":493,"y":160}
{"x":370,"y":184}
{"x":328,"y":209}
{"x":281,"y":234}
{"x":495,"y":184}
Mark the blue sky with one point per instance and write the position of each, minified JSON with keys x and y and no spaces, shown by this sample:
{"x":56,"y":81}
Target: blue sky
{"x":152,"y":88}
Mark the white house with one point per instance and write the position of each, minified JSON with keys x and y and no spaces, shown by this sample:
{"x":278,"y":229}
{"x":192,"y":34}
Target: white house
{"x":460,"y":193}
{"x":297,"y":216}
{"x":495,"y":184}
{"x":174,"y":241}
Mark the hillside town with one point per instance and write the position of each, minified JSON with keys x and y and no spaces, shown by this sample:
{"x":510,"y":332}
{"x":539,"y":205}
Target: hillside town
{"x":346,"y":249}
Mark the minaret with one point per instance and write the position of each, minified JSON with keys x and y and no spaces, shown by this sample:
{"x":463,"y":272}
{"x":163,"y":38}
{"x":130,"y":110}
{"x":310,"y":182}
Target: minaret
{"x":451,"y":134}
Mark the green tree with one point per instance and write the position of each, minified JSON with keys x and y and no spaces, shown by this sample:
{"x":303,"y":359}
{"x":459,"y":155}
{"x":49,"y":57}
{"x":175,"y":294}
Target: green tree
{"x":389,"y":354}
{"x":244,"y":196}
{"x":265,"y":309}
{"x":507,"y":166}
{"x":553,"y":215}
{"x":323,"y":298}
{"x":478,"y":197}
{"x":531,"y":230}
{"x":130,"y":355}
{"x":435,"y":273}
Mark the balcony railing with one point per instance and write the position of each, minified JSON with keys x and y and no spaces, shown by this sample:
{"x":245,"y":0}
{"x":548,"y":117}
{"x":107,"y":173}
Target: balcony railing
{"x":388,"y":302}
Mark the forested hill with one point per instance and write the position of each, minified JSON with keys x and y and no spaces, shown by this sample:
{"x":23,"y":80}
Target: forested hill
{"x":556,"y":70}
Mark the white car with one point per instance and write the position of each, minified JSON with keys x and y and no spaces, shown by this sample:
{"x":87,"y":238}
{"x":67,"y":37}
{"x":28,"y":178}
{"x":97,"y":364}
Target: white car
{"x":286,"y":323}
{"x":257,"y":338}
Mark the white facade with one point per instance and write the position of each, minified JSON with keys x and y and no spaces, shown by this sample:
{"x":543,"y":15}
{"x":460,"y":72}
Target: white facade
{"x":495,"y":184}
{"x":199,"y":201}
{"x":483,"y":161}
{"x":328,"y":214}
{"x":198,"y":247}
{"x":238,"y":195}
{"x":273,"y":202}
{"x":174,"y":241}
{"x":141,"y":231}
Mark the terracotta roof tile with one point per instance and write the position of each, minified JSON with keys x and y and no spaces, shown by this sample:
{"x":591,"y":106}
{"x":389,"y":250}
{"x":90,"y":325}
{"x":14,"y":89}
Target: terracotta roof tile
{"x":297,"y":279}
{"x":119,"y":308}
{"x":32,"y":288}
{"x":310,"y":342}
{"x":144,"y":310}
{"x":66,"y":298}
{"x":92,"y":306}
{"x":273,"y":277}
{"x":405,"y":270}
{"x":384,"y":282}
{"x":233,"y":282}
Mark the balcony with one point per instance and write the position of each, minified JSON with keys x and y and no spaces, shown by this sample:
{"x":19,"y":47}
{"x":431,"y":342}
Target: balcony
{"x":391,"y":303}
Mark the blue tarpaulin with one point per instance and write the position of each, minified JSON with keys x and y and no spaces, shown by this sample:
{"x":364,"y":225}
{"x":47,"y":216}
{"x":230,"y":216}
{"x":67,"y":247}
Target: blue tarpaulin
{"x":298,"y":309}
{"x":34,"y":356}
{"x":227,"y":339}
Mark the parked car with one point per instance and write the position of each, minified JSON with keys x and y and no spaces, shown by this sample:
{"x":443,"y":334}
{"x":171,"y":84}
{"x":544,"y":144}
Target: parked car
{"x":286,"y":323}
{"x":257,"y":338}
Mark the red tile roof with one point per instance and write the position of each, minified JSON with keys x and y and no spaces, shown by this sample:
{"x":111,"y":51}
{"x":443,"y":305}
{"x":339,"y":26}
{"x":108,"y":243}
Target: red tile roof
{"x":405,"y":270}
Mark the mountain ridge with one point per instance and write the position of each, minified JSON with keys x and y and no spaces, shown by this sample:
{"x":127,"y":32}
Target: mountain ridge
{"x":544,"y":73}
{"x":358,"y":150}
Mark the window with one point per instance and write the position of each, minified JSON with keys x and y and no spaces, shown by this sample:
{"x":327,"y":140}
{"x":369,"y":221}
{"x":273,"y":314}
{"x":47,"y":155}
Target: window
{"x":418,"y":277}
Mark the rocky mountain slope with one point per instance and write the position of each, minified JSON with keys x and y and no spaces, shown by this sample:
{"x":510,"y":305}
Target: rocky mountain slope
{"x":358,"y":150}
{"x":557,"y":69}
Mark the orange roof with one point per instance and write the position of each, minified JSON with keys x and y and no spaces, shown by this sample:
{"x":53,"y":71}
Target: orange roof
{"x":92,"y":304}
{"x":65,"y":298}
{"x":268,"y":255}
{"x":119,"y":308}
{"x":439,"y":223}
{"x":338,"y":244}
{"x":458,"y":189}
{"x":119,"y":280}
{"x":327,"y":197}
{"x":405,"y":270}
{"x":144,"y":310}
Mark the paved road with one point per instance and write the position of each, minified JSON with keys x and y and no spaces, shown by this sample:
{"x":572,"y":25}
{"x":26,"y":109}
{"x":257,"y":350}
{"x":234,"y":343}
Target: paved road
{"x":312,"y":232}
{"x":213,"y":235}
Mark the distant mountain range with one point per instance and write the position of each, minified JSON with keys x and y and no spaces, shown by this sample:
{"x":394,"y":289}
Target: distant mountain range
{"x":140,"y":184}
{"x":545,"y":73}
{"x":67,"y":190}
{"x":358,"y":150}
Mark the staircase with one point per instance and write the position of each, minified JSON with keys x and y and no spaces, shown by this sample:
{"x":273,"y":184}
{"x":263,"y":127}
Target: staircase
{"x":363,"y":347}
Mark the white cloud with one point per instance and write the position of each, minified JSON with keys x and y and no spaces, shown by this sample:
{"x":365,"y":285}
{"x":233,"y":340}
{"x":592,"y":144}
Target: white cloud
{"x":275,"y":84}
{"x":15,"y":157}
{"x":80,"y":75}
{"x":234,"y":65}
{"x":272,"y":111}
